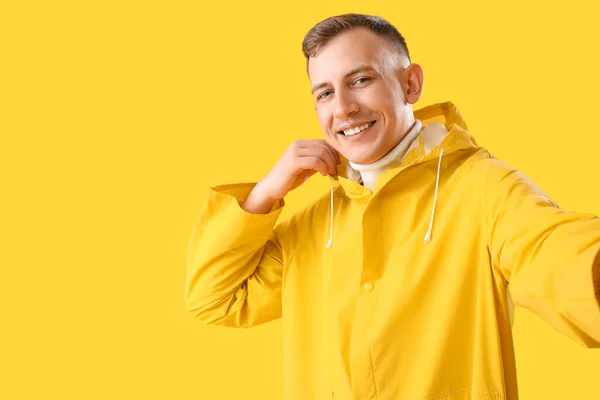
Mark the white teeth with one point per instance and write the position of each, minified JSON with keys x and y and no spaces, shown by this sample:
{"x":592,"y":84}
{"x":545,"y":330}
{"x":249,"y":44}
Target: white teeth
{"x":354,"y":131}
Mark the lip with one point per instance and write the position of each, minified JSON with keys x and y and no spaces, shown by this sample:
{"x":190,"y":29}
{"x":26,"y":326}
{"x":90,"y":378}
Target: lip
{"x":353,"y":126}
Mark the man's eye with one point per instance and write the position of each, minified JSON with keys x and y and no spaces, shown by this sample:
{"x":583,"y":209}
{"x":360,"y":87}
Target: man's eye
{"x":324,"y":95}
{"x":362,"y":80}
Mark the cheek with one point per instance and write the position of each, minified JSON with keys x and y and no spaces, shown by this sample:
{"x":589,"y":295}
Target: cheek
{"x":397,"y":96}
{"x":378,"y":100}
{"x":390,"y":104}
{"x":325,"y":117}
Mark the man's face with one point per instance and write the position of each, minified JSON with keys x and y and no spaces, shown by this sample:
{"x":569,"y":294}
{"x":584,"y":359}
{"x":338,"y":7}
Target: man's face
{"x":359,"y":83}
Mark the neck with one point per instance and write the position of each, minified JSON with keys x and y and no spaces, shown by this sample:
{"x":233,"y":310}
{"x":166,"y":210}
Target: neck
{"x":370,"y":172}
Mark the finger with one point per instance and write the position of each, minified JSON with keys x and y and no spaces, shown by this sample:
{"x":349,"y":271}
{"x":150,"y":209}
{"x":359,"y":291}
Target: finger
{"x":322,"y":152}
{"x":315,"y":163}
{"x":309,"y":143}
{"x":334,"y":154}
{"x":330,"y":155}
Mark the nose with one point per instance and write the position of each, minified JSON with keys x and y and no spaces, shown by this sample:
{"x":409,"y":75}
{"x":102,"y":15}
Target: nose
{"x":345,"y":105}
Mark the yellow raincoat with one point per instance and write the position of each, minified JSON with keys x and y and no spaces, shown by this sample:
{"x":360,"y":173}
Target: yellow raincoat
{"x":383,"y":313}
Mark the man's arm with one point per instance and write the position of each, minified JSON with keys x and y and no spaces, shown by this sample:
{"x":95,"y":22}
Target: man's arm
{"x":549,"y":256}
{"x":234,"y":262}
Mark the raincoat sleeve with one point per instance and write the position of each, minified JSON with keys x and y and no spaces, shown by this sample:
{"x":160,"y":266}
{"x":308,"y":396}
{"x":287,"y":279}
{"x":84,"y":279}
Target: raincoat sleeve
{"x":234,"y":262}
{"x":549,"y":256}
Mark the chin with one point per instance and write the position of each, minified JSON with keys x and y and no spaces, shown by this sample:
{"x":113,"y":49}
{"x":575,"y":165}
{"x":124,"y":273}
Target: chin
{"x":361,"y":159}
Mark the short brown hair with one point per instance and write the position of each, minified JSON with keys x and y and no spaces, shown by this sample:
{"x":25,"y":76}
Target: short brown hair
{"x":329,"y":28}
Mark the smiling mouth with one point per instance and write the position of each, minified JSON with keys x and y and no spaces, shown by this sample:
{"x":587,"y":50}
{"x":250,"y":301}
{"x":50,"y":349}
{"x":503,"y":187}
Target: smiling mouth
{"x":357,"y":130}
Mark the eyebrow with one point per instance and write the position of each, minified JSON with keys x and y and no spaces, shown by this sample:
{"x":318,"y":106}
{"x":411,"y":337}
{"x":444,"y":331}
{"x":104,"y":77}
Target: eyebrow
{"x":356,"y":70}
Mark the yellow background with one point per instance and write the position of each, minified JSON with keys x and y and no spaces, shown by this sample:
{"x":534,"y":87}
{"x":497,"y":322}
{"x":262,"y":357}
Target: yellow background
{"x":116,"y":117}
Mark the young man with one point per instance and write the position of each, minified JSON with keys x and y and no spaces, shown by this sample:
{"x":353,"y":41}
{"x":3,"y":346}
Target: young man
{"x":399,"y":283}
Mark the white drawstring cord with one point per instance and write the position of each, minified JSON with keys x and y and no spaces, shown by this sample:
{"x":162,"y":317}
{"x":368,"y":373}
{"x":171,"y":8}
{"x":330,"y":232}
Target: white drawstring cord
{"x":437,"y":180}
{"x":330,"y":242}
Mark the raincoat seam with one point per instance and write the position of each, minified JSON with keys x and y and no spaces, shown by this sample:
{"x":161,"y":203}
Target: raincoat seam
{"x":486,"y":228}
{"x":464,"y":168}
{"x":285,"y":260}
{"x":373,"y":372}
{"x":488,"y":394}
{"x":469,"y":165}
{"x":552,"y":297}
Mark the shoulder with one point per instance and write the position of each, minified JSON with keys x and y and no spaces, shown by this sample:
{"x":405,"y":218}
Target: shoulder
{"x":486,"y":171}
{"x":495,"y":185}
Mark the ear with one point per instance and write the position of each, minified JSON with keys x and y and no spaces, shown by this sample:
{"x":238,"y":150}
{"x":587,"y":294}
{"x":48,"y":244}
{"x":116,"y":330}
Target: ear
{"x":412,"y":83}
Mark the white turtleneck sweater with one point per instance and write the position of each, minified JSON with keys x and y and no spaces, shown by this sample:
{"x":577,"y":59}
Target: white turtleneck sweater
{"x":370,"y":172}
